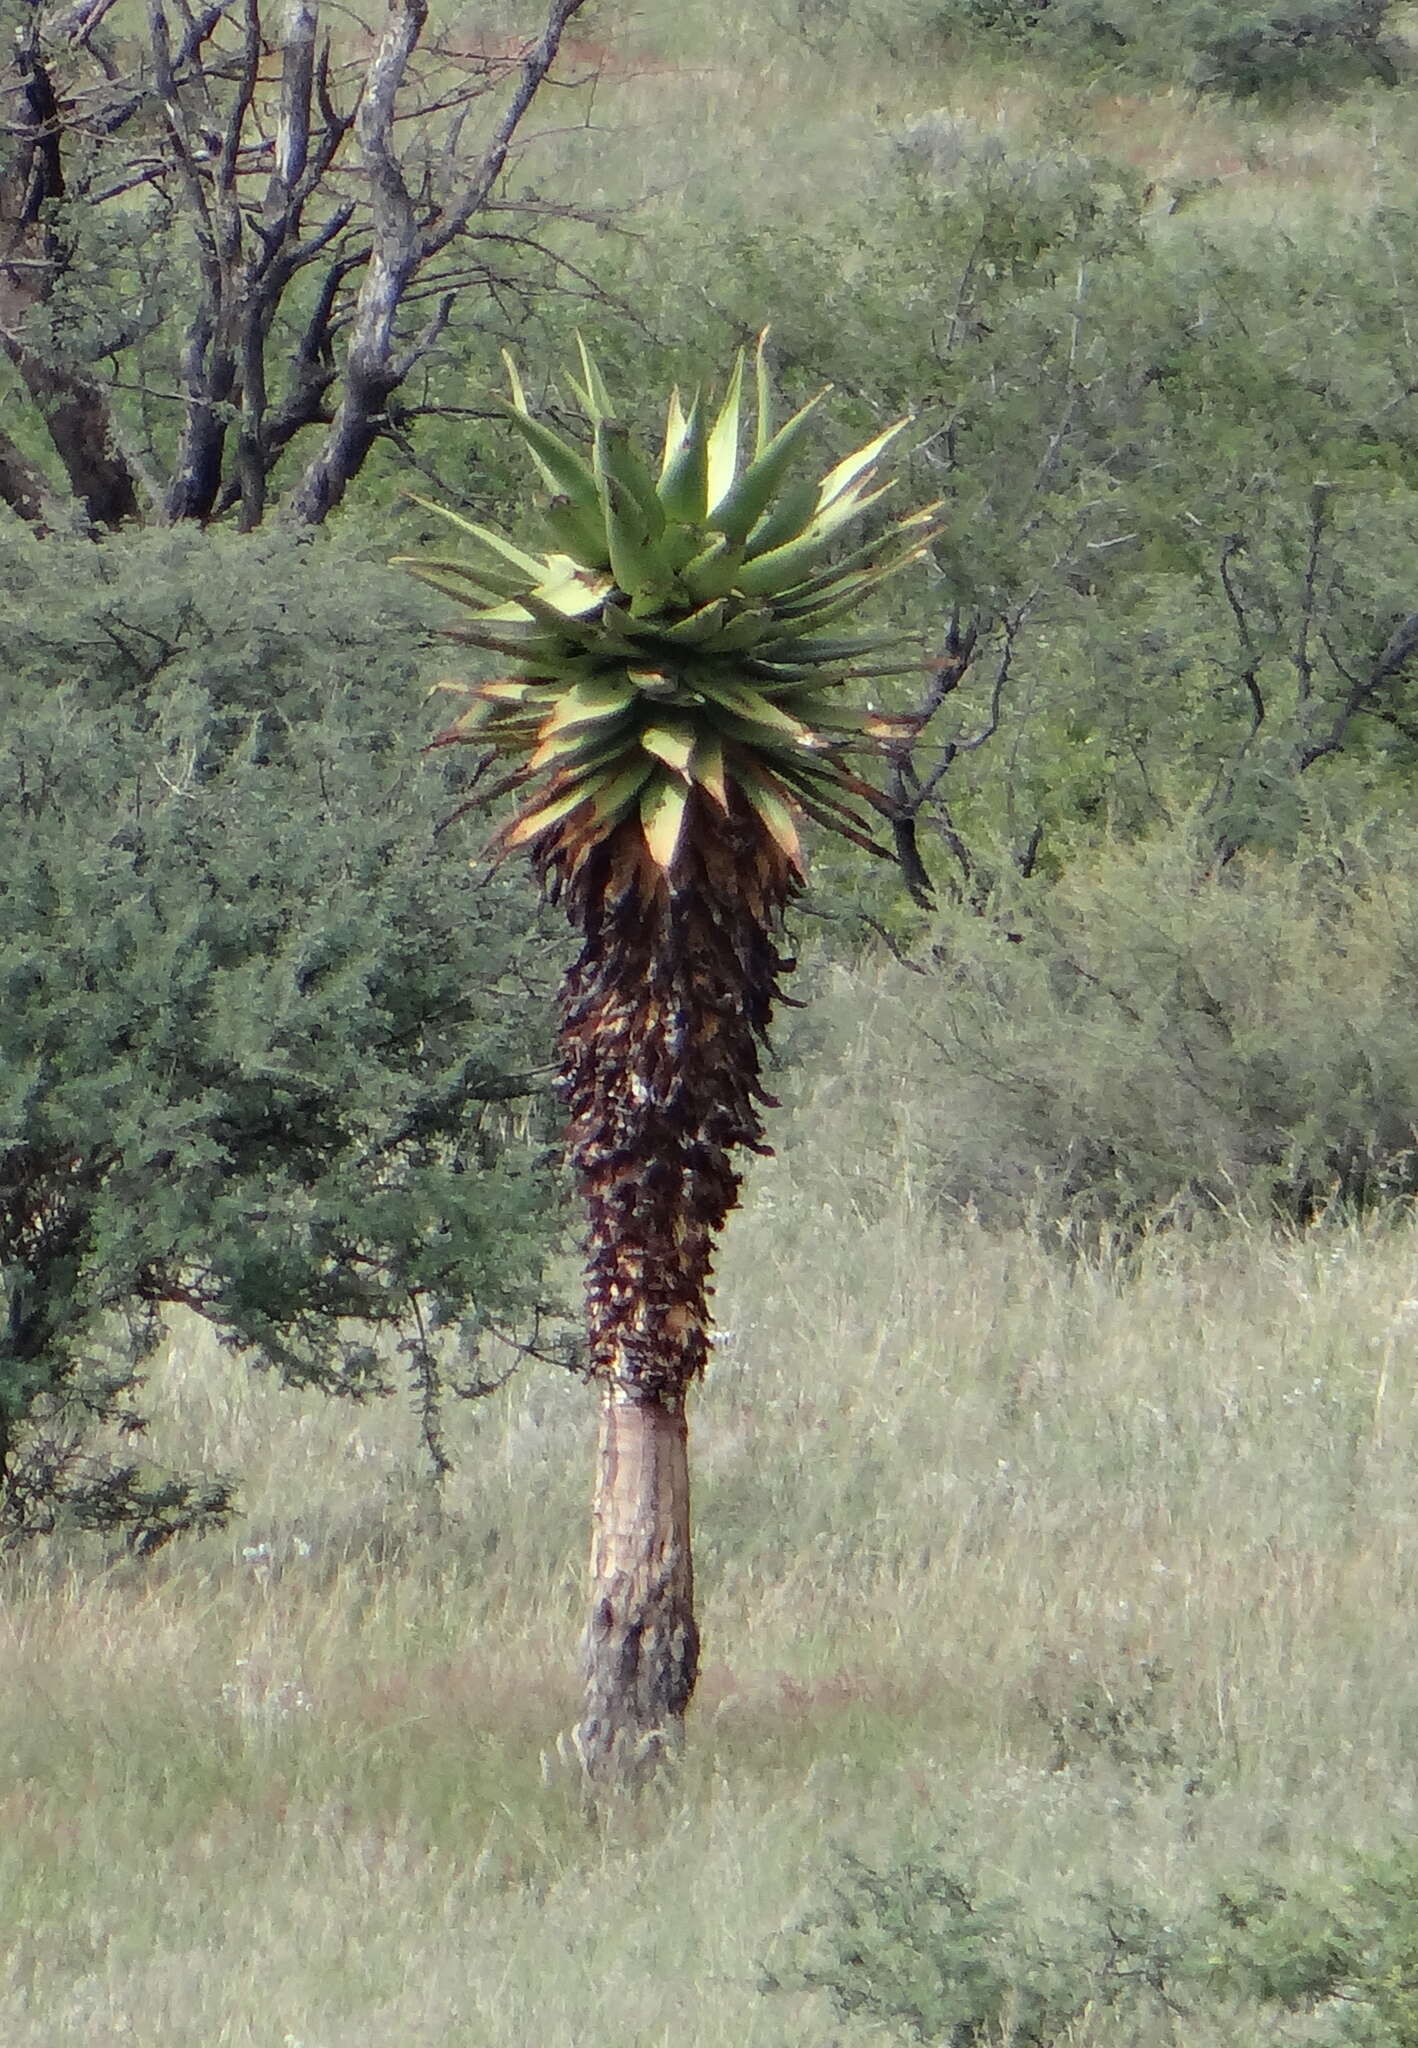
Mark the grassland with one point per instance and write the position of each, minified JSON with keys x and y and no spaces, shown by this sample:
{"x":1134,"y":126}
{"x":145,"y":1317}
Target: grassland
{"x":301,"y":1784}
{"x":965,"y":1511}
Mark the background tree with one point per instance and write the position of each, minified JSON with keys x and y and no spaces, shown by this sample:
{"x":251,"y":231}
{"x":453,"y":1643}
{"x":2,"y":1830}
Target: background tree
{"x":672,"y":714}
{"x":229,"y":242}
{"x":267,"y":1049}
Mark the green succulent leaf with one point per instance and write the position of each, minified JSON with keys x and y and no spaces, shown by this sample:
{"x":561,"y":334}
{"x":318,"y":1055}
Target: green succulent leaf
{"x":706,"y":767}
{"x":591,"y":702}
{"x":854,"y":467}
{"x":593,"y":393}
{"x":770,"y":799}
{"x":663,"y":805}
{"x":723,"y":448}
{"x":673,"y":743}
{"x":763,"y":392}
{"x":683,"y":488}
{"x":741,"y":508}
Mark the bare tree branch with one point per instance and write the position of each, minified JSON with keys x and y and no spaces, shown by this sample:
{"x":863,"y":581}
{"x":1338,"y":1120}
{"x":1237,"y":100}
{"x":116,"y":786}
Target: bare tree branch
{"x":271,"y":159}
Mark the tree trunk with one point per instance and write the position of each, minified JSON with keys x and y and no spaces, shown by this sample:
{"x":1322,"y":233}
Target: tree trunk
{"x":642,"y":1644}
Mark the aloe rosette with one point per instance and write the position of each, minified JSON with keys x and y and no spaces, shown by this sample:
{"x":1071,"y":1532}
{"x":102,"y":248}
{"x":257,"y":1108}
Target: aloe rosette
{"x":678,"y":644}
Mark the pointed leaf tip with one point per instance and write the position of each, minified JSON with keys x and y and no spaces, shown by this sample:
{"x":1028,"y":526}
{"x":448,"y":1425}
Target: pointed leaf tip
{"x":662,"y":813}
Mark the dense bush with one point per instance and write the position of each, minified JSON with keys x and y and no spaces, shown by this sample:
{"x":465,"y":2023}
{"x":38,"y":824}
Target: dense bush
{"x":923,"y":1947}
{"x":267,"y":1045}
{"x":1152,"y":1039}
{"x":1324,"y":46}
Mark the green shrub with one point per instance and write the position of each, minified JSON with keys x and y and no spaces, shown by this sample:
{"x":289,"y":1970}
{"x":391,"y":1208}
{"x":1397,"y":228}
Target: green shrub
{"x":1308,"y":46}
{"x":923,"y":1947}
{"x":1344,"y":1945}
{"x":1151,"y":1040}
{"x":267,"y":1045}
{"x":920,"y":1947}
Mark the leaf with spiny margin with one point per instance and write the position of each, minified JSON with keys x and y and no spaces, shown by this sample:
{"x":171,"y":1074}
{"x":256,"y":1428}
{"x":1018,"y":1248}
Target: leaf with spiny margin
{"x":618,"y":459}
{"x":594,"y":394}
{"x":742,"y":631}
{"x":706,"y":767}
{"x":770,"y":799}
{"x":753,"y":709}
{"x":837,"y":818}
{"x":523,"y":641}
{"x":765,"y":742}
{"x":590,"y":702}
{"x":775,"y":573}
{"x":527,"y":824}
{"x":675,"y":424}
{"x":744,"y":504}
{"x":636,"y":563}
{"x":662,"y":812}
{"x":579,"y":529}
{"x":455,"y":579}
{"x":784,"y":521}
{"x":795,"y":649}
{"x":573,"y":591}
{"x":592,"y":636}
{"x":854,"y":466}
{"x":582,"y":748}
{"x":683,"y":488}
{"x":840,"y":602}
{"x":672,"y":742}
{"x":564,"y":469}
{"x":900,"y":543}
{"x":529,"y":565}
{"x":699,"y":627}
{"x":714,"y":572}
{"x":614,"y":798}
{"x":723,"y":448}
{"x":508,"y":689}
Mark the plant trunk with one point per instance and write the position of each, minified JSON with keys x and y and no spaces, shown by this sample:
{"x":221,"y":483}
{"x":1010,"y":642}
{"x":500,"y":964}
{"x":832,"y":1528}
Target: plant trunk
{"x":642,"y":1643}
{"x":663,"y":1018}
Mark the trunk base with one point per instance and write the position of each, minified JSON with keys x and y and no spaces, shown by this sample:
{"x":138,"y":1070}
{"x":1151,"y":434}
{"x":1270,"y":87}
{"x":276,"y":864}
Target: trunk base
{"x":642,"y":1644}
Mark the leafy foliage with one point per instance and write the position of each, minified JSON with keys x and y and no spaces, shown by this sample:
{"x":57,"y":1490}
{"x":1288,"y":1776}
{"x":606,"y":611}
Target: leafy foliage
{"x":1152,"y":1040}
{"x":923,"y":1947}
{"x":1178,"y":461}
{"x":1312,"y":46}
{"x":267,"y":1047}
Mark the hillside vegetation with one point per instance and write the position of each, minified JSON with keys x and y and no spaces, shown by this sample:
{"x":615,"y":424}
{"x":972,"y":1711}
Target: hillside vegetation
{"x":1055,"y":1504}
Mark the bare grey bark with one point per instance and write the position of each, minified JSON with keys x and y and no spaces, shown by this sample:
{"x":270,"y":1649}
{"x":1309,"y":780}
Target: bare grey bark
{"x":402,"y":244}
{"x":327,"y":198}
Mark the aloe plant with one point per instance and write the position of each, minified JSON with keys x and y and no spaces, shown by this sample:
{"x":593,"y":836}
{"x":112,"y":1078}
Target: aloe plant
{"x":671,"y":712}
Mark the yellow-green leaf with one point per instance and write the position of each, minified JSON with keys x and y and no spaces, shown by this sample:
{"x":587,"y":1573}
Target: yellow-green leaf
{"x":662,"y":809}
{"x":723,"y":455}
{"x":770,"y":800}
{"x":707,"y":768}
{"x":673,"y":743}
{"x":588,"y":703}
{"x":618,"y":790}
{"x":755,"y":709}
{"x":855,"y":465}
{"x":530,"y":565}
{"x":552,"y":812}
{"x":572,"y":590}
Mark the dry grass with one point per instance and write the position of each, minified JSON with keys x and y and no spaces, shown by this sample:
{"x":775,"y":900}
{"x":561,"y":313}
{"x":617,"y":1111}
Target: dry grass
{"x":300,"y":1784}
